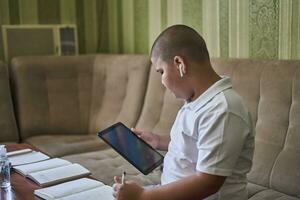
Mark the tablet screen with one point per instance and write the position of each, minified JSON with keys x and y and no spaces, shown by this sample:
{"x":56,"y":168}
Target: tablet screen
{"x":131,"y":147}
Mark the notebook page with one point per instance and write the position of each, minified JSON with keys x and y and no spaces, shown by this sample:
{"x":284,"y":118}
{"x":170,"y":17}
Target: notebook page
{"x":59,"y":174}
{"x":40,"y":166}
{"x":68,"y":188}
{"x":26,"y":158}
{"x":102,"y":193}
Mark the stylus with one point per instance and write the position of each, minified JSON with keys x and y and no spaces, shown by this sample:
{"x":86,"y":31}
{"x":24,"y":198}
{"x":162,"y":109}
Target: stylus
{"x":123,"y":177}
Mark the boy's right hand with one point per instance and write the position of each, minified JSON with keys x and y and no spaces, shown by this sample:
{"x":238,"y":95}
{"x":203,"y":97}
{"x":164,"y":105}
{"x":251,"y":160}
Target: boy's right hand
{"x":151,"y":138}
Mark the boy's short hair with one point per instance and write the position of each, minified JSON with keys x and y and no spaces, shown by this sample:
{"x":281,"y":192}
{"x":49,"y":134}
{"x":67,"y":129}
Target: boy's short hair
{"x":179,"y":40}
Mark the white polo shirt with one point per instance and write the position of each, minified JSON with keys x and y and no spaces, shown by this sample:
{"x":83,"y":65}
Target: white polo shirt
{"x":213,"y":134}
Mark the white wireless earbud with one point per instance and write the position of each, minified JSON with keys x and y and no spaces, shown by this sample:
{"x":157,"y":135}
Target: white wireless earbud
{"x":180,"y":71}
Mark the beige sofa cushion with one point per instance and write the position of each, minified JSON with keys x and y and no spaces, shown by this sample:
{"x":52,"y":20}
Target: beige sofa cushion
{"x":257,"y":192}
{"x":61,"y":145}
{"x":271,"y":91}
{"x":53,"y":94}
{"x":119,"y":87}
{"x":8,"y":126}
{"x":61,"y":98}
{"x":272,"y":195}
{"x":106,"y":164}
{"x":254,"y":189}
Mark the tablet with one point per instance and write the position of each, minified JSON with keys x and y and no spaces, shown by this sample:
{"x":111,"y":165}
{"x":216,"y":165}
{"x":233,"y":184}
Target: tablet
{"x":135,"y":150}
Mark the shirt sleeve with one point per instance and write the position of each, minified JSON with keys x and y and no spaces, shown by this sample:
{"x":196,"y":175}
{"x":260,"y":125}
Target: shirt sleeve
{"x":220,"y":142}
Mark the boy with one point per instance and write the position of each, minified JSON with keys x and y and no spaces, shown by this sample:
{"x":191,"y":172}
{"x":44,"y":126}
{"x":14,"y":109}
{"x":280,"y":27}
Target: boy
{"x":211,"y":144}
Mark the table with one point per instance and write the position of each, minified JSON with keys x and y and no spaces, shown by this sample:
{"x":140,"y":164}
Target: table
{"x":21,"y":188}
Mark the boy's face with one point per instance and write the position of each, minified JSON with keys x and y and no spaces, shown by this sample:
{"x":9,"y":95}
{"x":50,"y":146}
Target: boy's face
{"x":170,"y":77}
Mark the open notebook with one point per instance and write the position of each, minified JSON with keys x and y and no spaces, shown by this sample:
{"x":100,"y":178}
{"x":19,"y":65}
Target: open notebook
{"x":25,"y":156}
{"x":84,"y":188}
{"x":52,"y":171}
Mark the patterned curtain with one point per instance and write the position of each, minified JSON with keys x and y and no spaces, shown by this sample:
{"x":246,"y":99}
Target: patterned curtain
{"x":264,"y":29}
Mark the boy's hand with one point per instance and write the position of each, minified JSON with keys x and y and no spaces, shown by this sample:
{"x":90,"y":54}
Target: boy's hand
{"x":127,"y":190}
{"x":148,"y":137}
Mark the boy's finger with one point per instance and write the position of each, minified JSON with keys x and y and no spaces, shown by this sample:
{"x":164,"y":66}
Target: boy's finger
{"x":116,"y":187}
{"x":115,"y":194}
{"x":137,"y":132}
{"x":117,"y":179}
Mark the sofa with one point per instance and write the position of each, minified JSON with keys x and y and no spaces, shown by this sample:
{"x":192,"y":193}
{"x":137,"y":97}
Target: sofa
{"x":58,"y":104}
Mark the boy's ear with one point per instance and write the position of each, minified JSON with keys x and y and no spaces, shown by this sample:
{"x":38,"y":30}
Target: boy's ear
{"x":181,"y":70}
{"x":180,"y":63}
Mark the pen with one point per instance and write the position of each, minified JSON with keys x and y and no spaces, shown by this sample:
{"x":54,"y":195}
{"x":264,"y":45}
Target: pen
{"x":123,"y":177}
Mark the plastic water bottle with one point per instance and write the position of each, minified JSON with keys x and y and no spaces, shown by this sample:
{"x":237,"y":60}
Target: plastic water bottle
{"x":4,"y":168}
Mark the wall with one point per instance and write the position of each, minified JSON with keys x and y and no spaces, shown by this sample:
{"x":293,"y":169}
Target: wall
{"x":232,"y":28}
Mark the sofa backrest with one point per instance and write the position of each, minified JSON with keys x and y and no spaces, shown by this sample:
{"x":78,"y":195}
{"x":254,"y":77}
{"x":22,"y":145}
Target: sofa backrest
{"x":271,"y":89}
{"x":119,"y":87}
{"x":77,"y":94}
{"x":8,"y":126}
{"x":52,"y":94}
{"x":68,"y":95}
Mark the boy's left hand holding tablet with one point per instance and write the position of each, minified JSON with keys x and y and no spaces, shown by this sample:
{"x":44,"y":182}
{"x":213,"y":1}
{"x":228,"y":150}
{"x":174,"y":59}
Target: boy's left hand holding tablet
{"x":124,"y":190}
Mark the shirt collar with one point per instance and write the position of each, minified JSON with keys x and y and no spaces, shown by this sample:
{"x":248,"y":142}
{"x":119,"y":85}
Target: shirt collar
{"x":212,"y":91}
